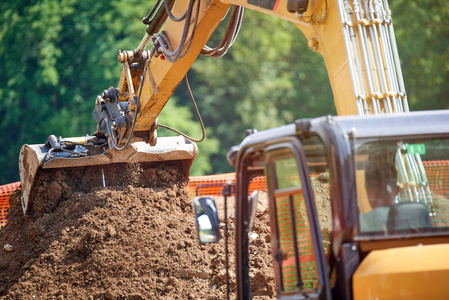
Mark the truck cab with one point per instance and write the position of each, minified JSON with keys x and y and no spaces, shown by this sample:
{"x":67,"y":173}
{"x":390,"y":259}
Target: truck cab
{"x":358,"y":206}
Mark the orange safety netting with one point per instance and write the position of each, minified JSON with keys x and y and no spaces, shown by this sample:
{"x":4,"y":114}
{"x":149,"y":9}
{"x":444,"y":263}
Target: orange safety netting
{"x":437,"y":172}
{"x":209,"y":185}
{"x":213,"y":184}
{"x":5,"y":191}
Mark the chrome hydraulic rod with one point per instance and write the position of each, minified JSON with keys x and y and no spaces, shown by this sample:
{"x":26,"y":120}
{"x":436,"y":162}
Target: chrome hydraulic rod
{"x":377,"y":52}
{"x":358,"y":11}
{"x":346,"y":23}
{"x":391,"y":84}
{"x":397,"y":62}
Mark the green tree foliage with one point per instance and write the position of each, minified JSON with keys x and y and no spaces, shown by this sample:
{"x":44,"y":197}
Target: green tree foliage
{"x":58,"y":55}
{"x":422,"y":33}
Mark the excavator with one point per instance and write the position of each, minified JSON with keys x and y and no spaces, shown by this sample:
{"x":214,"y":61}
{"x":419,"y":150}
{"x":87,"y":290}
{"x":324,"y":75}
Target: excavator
{"x":383,"y":233}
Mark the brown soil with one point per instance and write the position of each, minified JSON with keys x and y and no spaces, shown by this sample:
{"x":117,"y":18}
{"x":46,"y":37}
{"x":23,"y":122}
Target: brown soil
{"x":132,"y":239}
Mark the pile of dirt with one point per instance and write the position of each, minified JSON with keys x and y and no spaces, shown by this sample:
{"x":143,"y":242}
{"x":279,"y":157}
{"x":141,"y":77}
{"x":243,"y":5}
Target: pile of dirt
{"x":120,"y":242}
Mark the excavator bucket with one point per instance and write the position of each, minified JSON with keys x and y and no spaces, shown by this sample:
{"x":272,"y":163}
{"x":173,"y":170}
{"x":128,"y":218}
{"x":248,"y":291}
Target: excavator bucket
{"x":49,"y":175}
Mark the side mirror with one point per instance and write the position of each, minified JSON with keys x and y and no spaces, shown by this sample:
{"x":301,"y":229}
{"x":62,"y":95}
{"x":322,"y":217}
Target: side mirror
{"x":206,"y":220}
{"x":252,"y":206}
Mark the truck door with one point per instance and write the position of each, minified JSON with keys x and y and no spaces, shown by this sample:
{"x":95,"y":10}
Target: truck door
{"x":299,"y":260}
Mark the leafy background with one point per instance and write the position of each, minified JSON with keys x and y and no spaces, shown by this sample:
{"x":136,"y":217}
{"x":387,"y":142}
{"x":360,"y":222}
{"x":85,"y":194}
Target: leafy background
{"x":57,"y":56}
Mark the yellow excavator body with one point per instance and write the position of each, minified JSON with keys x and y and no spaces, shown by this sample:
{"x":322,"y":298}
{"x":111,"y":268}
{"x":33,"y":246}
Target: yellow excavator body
{"x":403,"y":273}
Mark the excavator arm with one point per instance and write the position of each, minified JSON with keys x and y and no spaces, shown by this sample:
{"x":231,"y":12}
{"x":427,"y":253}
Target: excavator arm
{"x":355,"y":38}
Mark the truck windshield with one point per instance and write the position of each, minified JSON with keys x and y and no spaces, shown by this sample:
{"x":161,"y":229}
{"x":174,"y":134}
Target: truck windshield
{"x":403,"y":186}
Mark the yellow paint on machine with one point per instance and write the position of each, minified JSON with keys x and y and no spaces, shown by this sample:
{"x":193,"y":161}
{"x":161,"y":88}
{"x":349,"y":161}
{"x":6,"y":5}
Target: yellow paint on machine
{"x":417,"y":272}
